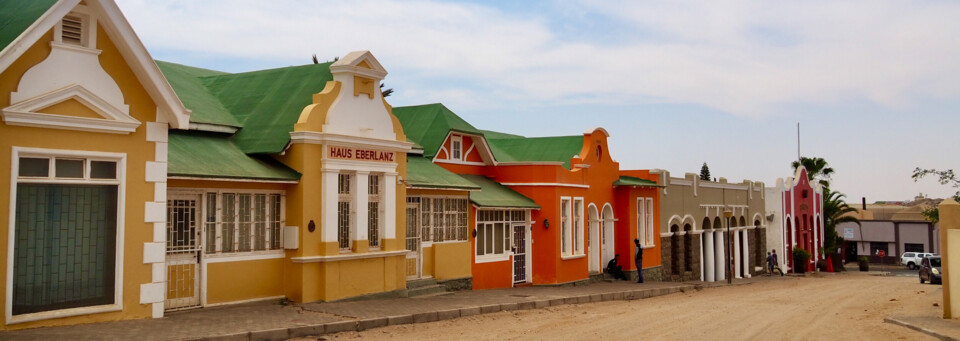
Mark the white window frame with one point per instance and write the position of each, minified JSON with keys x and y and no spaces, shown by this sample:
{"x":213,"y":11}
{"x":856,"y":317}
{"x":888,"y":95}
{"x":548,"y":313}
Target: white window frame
{"x":218,"y":221}
{"x":375,"y":181}
{"x":578,"y":219}
{"x":651,"y":229}
{"x":456,"y":147}
{"x":351,"y":198}
{"x":119,"y":181}
{"x":427,"y":240}
{"x":566,"y":205}
{"x":508,"y":224}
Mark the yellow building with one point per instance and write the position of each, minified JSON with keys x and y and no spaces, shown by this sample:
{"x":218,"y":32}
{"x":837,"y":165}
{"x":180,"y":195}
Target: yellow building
{"x":139,"y":187}
{"x":83,"y":142}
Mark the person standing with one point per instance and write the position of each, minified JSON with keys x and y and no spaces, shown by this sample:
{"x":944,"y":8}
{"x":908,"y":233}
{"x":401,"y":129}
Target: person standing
{"x":639,"y":260}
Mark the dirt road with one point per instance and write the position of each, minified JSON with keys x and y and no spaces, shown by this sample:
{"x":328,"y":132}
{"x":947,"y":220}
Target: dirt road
{"x":850,"y":306}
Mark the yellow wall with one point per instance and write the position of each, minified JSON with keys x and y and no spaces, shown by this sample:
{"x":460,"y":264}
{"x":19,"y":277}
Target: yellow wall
{"x":452,"y":260}
{"x":237,"y":281}
{"x":138,"y":150}
{"x":70,"y":107}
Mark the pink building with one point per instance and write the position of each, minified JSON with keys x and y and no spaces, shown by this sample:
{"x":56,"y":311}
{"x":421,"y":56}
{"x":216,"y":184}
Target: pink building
{"x":795,"y":213}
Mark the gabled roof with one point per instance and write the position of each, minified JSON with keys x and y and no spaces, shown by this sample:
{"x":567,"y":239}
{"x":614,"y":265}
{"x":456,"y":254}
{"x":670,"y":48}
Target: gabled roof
{"x":429,"y":124}
{"x":493,"y":194}
{"x":265,"y":103}
{"x":17,"y":16}
{"x":211,"y":155}
{"x":421,"y":172}
{"x":536,"y":149}
{"x":25,"y":22}
{"x":188,"y":83}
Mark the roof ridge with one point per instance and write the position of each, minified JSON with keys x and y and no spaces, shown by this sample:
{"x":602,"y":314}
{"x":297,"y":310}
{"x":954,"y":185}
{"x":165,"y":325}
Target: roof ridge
{"x":190,"y":66}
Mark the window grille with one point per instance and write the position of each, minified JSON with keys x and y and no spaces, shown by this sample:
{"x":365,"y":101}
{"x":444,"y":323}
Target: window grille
{"x":443,"y":219}
{"x":242,"y":222}
{"x":343,"y":212}
{"x":373,"y":211}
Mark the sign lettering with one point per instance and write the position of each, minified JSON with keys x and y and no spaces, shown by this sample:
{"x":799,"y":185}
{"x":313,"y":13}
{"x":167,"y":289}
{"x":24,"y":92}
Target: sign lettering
{"x":359,"y":154}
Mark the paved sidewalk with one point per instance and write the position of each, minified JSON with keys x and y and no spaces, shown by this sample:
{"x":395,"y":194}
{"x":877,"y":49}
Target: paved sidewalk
{"x":271,"y":320}
{"x":948,"y":330}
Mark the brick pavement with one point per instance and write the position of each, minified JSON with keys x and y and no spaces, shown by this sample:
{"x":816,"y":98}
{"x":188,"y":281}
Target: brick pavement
{"x":270,"y":320}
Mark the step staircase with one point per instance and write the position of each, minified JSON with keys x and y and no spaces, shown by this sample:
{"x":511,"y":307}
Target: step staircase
{"x":425,"y":287}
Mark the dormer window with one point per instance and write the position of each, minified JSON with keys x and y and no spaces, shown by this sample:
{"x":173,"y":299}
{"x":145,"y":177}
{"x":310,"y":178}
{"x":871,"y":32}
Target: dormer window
{"x":456,"y":146}
{"x":77,"y":29}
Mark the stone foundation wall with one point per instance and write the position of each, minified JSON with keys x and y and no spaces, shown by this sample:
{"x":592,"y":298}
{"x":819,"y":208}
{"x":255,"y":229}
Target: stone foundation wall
{"x":457,"y":284}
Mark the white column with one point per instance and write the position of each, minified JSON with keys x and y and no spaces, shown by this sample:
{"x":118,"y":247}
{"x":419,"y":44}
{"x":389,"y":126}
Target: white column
{"x":746,"y":252}
{"x":736,"y":254}
{"x":703,"y":268}
{"x":708,"y":253}
{"x":721,"y":259}
{"x":327,"y":222}
{"x":390,"y":205}
{"x":360,"y":199}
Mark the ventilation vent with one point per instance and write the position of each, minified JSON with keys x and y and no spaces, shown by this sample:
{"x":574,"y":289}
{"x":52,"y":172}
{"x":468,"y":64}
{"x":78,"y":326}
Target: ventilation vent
{"x":72,"y":30}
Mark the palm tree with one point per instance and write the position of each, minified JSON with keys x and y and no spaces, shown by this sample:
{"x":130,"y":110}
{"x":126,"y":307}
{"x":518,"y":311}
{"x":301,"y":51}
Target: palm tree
{"x":835,"y":212}
{"x":817,"y":168}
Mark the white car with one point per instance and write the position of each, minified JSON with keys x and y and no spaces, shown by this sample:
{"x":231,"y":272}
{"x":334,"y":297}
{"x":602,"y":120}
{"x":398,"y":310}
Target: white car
{"x":912,"y":259}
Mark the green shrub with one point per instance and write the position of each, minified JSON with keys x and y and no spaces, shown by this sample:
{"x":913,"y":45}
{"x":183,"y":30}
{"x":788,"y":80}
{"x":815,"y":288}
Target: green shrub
{"x":801,"y":254}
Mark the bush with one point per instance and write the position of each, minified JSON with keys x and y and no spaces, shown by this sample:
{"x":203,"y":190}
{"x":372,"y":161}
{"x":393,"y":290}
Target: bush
{"x":799,"y":253}
{"x":864,"y":263}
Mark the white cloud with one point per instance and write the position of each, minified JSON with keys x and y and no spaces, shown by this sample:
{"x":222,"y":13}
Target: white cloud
{"x":743,"y":57}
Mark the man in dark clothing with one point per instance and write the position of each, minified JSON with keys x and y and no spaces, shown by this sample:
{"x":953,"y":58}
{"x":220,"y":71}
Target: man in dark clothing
{"x":615,"y":269}
{"x":639,"y":260}
{"x":776,"y":263}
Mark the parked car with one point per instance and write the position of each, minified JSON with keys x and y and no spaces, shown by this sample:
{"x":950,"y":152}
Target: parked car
{"x":930,"y":270}
{"x":912,"y":259}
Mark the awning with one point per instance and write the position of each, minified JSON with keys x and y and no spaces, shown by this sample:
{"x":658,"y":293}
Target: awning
{"x":493,"y":194}
{"x":207,"y":155}
{"x":421,"y":172}
{"x":632,"y":181}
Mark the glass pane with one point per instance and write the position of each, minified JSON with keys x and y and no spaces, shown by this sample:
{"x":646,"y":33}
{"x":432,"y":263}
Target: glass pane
{"x":260,"y":222}
{"x":65,"y":249}
{"x":229,"y":222}
{"x":103,"y":169}
{"x":245,"y":214}
{"x":480,"y":240}
{"x":488,"y":241}
{"x":67,"y":168}
{"x":275,"y":221}
{"x":498,"y":238}
{"x":210,"y":223}
{"x":34,"y":167}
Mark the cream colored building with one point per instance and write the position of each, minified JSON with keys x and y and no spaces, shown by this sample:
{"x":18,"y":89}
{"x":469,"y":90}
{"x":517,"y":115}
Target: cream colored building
{"x":693,"y":232}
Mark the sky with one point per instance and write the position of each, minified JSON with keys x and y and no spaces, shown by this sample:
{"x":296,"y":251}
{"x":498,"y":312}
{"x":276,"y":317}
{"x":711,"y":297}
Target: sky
{"x":874,"y":85}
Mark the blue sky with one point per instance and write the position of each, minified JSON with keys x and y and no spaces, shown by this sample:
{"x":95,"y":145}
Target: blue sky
{"x":873,"y":84}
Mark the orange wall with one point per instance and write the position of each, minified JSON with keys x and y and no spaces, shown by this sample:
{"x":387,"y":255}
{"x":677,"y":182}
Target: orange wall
{"x":489,"y":275}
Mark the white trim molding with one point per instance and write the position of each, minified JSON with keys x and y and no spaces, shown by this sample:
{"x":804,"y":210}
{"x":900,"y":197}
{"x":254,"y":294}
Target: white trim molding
{"x":544,"y":184}
{"x":115,"y":120}
{"x":348,"y":256}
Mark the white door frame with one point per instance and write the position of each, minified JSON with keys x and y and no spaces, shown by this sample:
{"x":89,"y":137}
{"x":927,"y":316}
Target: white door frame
{"x":609,"y":250}
{"x":593,"y":223}
{"x":187,"y":257}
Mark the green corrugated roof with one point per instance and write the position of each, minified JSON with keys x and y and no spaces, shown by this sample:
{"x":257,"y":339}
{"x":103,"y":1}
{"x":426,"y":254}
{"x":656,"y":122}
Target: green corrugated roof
{"x":187,"y":82}
{"x":493,"y":194}
{"x":268,"y":103}
{"x":17,"y":15}
{"x":632,"y":181}
{"x":557,"y":149}
{"x":429,"y":124}
{"x":490,"y":134}
{"x":199,"y":154}
{"x":421,"y":172}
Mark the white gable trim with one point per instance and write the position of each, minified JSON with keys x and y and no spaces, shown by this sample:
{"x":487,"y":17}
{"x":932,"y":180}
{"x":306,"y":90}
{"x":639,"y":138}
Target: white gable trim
{"x":119,"y":30}
{"x":114,"y":120}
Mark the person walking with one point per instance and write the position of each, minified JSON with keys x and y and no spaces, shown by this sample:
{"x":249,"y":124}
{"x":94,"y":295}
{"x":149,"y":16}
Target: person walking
{"x":769,"y":264}
{"x":639,"y":260}
{"x":776,"y":263}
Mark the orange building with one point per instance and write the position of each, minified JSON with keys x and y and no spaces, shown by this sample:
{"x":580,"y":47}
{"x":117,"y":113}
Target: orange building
{"x":550,"y":210}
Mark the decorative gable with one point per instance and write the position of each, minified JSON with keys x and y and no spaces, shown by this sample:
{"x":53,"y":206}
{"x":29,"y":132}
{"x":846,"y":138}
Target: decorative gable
{"x":31,"y":112}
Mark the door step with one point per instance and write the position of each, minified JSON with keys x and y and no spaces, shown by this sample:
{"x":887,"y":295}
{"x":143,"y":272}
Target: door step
{"x":422,"y":282}
{"x":427,"y":290}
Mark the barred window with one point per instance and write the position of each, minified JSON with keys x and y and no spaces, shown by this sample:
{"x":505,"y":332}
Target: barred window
{"x":443,"y":219}
{"x":578,"y":226}
{"x":242,"y":222}
{"x":373,"y":211}
{"x":344,"y":214}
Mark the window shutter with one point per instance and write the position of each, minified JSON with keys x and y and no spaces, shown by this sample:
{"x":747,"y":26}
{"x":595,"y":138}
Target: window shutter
{"x":72,"y":30}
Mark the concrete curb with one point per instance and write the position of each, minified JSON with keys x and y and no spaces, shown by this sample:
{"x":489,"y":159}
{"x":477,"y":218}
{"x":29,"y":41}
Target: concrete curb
{"x":919,"y":329}
{"x":281,"y":334}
